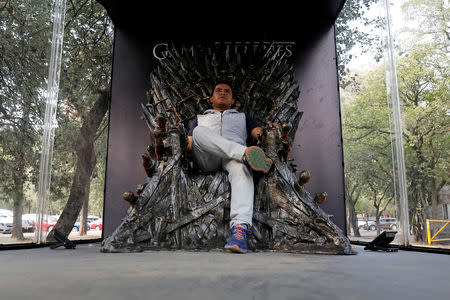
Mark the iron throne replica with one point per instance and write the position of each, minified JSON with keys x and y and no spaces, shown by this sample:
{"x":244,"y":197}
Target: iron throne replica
{"x":179,"y":207}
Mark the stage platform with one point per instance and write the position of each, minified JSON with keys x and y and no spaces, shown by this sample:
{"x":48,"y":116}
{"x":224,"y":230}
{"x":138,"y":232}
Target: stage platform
{"x":85,"y":273}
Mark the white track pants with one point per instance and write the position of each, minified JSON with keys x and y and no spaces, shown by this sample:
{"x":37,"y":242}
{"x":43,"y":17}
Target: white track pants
{"x":212,"y":153}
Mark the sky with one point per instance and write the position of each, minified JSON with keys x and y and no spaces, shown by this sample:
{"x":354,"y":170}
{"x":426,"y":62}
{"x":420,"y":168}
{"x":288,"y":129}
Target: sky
{"x":364,"y":62}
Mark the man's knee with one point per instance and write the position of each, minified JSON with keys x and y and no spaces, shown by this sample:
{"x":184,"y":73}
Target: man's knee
{"x":200,"y":137}
{"x":199,"y":131}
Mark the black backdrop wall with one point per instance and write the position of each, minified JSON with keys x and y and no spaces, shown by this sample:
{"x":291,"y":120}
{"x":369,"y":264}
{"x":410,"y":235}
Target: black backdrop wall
{"x":307,"y":37}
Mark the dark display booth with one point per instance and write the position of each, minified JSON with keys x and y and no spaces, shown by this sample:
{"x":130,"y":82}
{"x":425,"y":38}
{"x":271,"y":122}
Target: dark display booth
{"x":303,"y":33}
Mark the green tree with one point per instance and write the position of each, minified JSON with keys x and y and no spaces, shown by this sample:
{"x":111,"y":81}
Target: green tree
{"x":25,"y":29}
{"x":24,"y":40}
{"x":424,"y":91}
{"x":84,"y":89}
{"x":367,"y":146}
{"x":431,"y":20}
{"x":350,"y":33}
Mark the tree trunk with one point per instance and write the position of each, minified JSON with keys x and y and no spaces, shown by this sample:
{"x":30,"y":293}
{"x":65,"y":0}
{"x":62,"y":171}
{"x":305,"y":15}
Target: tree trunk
{"x":17,"y":231}
{"x":434,"y":199}
{"x":377,"y":218}
{"x":354,"y":222}
{"x":352,"y":217}
{"x":348,"y":225}
{"x":84,"y":210}
{"x":86,"y":161}
{"x":19,"y":180}
{"x":424,"y":216}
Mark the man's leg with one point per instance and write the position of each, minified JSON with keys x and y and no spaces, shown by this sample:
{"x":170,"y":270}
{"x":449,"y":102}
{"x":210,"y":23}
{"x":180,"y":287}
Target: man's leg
{"x":242,"y":192}
{"x":205,"y":143}
{"x":241,"y":210}
{"x":236,"y":159}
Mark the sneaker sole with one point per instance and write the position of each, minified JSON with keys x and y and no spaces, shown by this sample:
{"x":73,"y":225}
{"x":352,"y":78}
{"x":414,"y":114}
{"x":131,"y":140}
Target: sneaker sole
{"x":257,"y":160}
{"x":235,"y":249}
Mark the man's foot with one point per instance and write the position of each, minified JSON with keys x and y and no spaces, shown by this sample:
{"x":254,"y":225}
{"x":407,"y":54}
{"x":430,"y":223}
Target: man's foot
{"x":237,"y":242}
{"x":257,"y":160}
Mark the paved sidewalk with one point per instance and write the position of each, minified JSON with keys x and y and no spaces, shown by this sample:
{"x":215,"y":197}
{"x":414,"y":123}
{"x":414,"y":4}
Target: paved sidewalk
{"x":85,"y":273}
{"x":6,"y":239}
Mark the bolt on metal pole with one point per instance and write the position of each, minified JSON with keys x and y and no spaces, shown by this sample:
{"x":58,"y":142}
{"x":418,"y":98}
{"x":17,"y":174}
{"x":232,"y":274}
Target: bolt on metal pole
{"x":394,"y":104}
{"x":48,"y":134}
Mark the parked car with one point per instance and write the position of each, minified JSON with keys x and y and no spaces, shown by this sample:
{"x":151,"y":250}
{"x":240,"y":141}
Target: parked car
{"x":6,"y":213}
{"x":361,"y":222}
{"x":7,"y":220}
{"x":385,"y":223}
{"x":77,"y":226}
{"x":97,"y":225}
{"x":31,"y":220}
{"x":49,"y":224}
{"x":367,"y":224}
{"x":6,"y":224}
{"x":28,"y":225}
{"x":91,"y":219}
{"x":371,"y":225}
{"x":388,"y":223}
{"x":4,"y":228}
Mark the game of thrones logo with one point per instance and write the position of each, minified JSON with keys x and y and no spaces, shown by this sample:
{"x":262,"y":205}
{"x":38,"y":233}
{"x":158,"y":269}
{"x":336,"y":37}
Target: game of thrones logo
{"x":280,"y":49}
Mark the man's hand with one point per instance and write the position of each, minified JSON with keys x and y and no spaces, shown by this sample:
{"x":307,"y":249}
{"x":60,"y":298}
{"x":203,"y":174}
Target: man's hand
{"x":257,"y":132}
{"x":189,"y":145}
{"x":272,"y":125}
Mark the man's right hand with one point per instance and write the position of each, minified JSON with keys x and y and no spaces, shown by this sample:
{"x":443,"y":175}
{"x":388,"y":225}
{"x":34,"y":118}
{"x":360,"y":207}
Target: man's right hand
{"x":271,"y":124}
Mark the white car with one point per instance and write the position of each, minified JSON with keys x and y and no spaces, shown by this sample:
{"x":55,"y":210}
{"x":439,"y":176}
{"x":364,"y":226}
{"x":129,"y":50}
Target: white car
{"x":91,"y":219}
{"x":31,"y":220}
{"x":371,"y":225}
{"x":6,"y":224}
{"x":6,"y":219}
{"x":361,"y":222}
{"x":6,"y":213}
{"x":388,"y":223}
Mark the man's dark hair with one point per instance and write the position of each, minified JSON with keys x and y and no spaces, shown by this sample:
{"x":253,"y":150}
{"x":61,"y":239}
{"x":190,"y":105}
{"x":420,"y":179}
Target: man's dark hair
{"x":222,"y":82}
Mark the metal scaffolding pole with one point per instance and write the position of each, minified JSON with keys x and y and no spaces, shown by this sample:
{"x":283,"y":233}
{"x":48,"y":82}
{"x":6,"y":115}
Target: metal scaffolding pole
{"x":48,"y":135}
{"x":395,"y":109}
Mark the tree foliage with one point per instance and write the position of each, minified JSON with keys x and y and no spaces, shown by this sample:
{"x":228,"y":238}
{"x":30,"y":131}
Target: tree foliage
{"x":85,"y":73}
{"x":424,"y":92}
{"x":355,"y":29}
{"x":24,"y":40}
{"x":431,"y":22}
{"x":367,"y":146}
{"x":422,"y":67}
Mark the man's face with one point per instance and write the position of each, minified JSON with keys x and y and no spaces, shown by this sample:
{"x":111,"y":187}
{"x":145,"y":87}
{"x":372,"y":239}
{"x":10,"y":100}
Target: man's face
{"x":222,"y":98}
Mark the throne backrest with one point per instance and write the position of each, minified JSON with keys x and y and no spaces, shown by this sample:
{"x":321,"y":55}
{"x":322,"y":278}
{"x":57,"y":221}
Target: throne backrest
{"x":262,"y":81}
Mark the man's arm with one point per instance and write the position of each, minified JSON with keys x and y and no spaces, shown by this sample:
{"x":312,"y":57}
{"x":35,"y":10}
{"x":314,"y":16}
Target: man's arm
{"x":191,"y":131}
{"x":189,"y":146}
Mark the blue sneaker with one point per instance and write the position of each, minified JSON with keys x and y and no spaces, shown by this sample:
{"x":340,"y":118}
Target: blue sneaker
{"x":237,"y":242}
